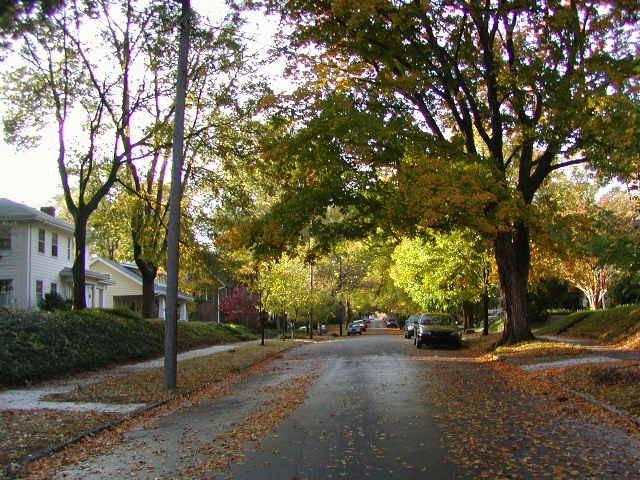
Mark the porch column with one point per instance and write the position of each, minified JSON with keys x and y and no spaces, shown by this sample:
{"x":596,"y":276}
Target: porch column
{"x":162,"y":308}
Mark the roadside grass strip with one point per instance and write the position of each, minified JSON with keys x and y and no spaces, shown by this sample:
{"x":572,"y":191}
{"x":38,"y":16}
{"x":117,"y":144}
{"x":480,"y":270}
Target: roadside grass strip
{"x":23,"y":432}
{"x":538,"y":351}
{"x":32,"y":434}
{"x":616,"y":384}
{"x":147,"y":386}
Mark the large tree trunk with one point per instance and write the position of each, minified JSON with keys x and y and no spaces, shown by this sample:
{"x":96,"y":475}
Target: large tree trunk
{"x":467,"y":313}
{"x":513,"y":257}
{"x":485,"y":312}
{"x":148,"y":272}
{"x":79,"y":264}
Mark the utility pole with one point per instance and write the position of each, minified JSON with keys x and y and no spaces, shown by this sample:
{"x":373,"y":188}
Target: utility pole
{"x":173,"y":234}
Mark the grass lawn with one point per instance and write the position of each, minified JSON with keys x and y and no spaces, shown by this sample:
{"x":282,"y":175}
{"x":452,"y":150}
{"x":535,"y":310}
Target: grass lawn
{"x":608,"y":325}
{"x":148,"y":385}
{"x":539,"y":350}
{"x":24,"y":432}
{"x":560,"y":323}
{"x":615,"y":384}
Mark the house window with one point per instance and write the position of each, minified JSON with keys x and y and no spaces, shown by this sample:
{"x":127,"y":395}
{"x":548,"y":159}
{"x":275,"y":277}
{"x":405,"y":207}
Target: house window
{"x":41,"y":240}
{"x":54,"y":288}
{"x":6,"y":293}
{"x":54,"y":244}
{"x":39,"y":290}
{"x":68,"y":249}
{"x":5,"y":238}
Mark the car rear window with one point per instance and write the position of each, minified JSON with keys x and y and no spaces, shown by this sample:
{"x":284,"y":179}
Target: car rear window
{"x":435,"y":320}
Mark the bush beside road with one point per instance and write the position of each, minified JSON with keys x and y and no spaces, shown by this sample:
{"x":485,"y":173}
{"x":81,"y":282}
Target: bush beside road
{"x":41,"y":345}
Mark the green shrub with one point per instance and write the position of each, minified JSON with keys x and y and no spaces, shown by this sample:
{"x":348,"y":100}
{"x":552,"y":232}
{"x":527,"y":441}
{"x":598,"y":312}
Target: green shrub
{"x":121,"y":312}
{"x":53,"y":301}
{"x":197,"y":334}
{"x":39,"y":345}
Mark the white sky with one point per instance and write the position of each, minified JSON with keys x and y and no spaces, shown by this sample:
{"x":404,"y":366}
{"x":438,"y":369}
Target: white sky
{"x":31,"y":176}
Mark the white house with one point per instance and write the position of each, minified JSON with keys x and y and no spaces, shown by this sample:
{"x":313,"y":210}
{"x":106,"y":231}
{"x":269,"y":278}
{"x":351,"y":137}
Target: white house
{"x":127,"y":288}
{"x":36,"y":257}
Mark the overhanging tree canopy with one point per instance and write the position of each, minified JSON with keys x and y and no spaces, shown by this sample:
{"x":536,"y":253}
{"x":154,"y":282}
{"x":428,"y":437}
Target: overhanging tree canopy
{"x":516,"y":90}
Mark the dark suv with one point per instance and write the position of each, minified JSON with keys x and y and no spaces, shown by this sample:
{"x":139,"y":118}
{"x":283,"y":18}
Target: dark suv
{"x":437,"y":329}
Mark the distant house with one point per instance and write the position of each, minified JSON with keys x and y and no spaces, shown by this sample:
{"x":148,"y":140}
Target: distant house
{"x":36,"y":257}
{"x":127,"y":288}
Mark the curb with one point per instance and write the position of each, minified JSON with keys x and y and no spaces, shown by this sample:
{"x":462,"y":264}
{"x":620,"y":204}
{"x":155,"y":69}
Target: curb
{"x":610,"y":408}
{"x":14,"y":468}
{"x":591,"y":399}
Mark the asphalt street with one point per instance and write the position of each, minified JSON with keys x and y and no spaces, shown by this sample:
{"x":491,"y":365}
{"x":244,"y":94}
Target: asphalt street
{"x":366,"y":416}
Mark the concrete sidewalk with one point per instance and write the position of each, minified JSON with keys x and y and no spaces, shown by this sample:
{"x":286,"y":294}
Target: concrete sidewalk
{"x":31,"y":398}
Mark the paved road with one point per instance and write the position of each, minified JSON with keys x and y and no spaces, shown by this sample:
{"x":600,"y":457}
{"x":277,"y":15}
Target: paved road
{"x":366,"y":416}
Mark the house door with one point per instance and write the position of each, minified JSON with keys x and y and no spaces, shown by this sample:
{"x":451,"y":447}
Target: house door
{"x":89,"y":296}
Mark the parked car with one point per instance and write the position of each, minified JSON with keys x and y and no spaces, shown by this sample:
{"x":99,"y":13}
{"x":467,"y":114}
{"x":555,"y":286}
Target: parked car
{"x":392,"y":324}
{"x":409,"y":326}
{"x":437,"y":329}
{"x":362,"y":324}
{"x":355,"y":329}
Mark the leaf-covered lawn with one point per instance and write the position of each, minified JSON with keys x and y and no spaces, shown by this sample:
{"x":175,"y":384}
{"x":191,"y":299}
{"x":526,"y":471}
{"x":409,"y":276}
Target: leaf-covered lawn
{"x":24,"y":432}
{"x":608,"y":325}
{"x":148,"y":385}
{"x":615,"y":384}
{"x":559,"y":324}
{"x":499,"y":422}
{"x":535,"y":351}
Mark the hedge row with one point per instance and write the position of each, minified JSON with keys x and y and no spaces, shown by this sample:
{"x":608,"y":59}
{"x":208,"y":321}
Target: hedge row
{"x":40,"y":345}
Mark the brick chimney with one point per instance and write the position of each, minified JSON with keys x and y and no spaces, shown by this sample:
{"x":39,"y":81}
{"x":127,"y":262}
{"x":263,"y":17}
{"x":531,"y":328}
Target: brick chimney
{"x":51,"y":211}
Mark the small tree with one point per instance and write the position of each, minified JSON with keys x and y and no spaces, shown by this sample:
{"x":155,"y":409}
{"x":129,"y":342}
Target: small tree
{"x":443,"y":272}
{"x":239,"y":305}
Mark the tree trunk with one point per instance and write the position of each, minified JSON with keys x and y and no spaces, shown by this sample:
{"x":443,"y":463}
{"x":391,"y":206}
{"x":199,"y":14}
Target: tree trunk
{"x":513,"y":257}
{"x":467,"y":313}
{"x":485,"y":311}
{"x":148,"y":272}
{"x":79,"y":266}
